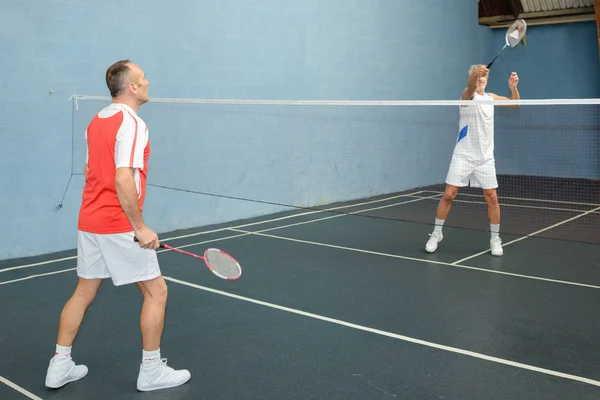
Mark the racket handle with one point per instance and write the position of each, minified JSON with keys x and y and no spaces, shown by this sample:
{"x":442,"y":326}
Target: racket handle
{"x":162,"y":246}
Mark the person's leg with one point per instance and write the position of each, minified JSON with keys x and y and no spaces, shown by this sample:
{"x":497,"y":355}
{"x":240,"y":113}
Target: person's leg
{"x":443,"y":210}
{"x":152,"y":317}
{"x":154,"y":373}
{"x":445,"y":203}
{"x":91,"y":271}
{"x":74,"y":310}
{"x":491,"y":198}
{"x":140,"y":266}
{"x":486,"y":177}
{"x":458,"y":175}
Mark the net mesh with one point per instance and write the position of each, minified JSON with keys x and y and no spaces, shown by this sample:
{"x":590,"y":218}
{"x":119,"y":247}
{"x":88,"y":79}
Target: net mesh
{"x":320,"y":155}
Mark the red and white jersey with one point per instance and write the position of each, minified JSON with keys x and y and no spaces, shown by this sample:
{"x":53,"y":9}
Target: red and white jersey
{"x":116,"y":137}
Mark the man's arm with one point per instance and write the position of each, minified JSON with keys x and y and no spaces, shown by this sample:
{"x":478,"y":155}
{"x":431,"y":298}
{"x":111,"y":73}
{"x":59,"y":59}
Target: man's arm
{"x":469,"y":91}
{"x":85,"y":170}
{"x":128,"y":197}
{"x":514,"y":92}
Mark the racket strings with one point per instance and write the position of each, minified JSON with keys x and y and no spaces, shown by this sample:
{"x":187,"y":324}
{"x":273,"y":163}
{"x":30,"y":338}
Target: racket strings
{"x":222,"y":264}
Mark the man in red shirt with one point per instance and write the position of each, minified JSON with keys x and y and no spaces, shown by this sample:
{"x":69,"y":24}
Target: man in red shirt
{"x":110,"y":217}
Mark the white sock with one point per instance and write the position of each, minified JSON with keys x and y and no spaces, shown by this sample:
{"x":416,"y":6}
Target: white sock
{"x":150,"y":357}
{"x":439,"y":223}
{"x":495,"y":229}
{"x":62,"y":352}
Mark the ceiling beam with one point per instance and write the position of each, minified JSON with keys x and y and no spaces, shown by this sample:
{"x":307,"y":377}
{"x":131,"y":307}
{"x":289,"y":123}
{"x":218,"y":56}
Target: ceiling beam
{"x":567,"y":19}
{"x":553,"y":13}
{"x":582,"y":12}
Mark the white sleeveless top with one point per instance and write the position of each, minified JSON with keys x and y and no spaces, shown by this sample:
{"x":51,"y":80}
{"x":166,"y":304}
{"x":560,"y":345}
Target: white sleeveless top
{"x":475,"y":138}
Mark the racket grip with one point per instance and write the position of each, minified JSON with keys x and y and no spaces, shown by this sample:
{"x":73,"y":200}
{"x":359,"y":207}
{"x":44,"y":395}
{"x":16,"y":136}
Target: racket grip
{"x":135,"y":239}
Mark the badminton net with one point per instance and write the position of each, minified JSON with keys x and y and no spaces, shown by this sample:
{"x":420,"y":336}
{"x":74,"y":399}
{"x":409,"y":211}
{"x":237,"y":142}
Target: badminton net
{"x":233,"y":159}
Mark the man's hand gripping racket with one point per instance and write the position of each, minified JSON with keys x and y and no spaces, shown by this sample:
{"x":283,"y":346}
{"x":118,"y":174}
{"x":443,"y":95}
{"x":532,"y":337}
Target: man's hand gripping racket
{"x":218,"y":262}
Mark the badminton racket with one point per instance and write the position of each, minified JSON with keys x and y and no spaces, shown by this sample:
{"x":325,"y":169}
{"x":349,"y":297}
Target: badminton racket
{"x":218,"y":262}
{"x":513,"y":37}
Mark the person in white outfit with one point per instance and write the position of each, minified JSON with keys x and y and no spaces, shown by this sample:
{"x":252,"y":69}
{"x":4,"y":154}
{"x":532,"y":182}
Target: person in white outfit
{"x":473,"y":157}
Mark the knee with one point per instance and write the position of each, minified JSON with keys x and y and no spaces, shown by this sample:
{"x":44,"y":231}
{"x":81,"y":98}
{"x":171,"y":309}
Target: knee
{"x":163,"y":291}
{"x":491,"y":198}
{"x":160,"y":291}
{"x":85,"y":294}
{"x":449,"y":196}
{"x":155,"y":289}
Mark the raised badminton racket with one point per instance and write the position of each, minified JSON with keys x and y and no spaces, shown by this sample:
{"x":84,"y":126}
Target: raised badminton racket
{"x":513,"y":37}
{"x":218,"y":262}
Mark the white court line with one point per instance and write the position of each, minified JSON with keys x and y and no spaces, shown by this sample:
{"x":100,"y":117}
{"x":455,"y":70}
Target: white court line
{"x":295,"y":216}
{"x":515,"y":205}
{"x":19,"y":388}
{"x":259,"y":233}
{"x":523,"y":199}
{"x":244,"y":234}
{"x":38,"y":263}
{"x":528,"y":236}
{"x":37,"y":276}
{"x":224,"y":229}
{"x":157,"y":251}
{"x":393,"y":335}
{"x":340,"y":215}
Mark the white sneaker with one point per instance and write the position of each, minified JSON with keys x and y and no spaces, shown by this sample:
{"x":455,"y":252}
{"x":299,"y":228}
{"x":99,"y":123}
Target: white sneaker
{"x":496,"y":246}
{"x":433,"y":241}
{"x":161,"y":376}
{"x":62,"y":371}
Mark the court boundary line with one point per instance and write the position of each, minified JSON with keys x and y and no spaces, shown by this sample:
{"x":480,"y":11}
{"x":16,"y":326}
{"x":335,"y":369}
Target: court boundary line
{"x":25,"y":278}
{"x":423,"y":260}
{"x":380,"y":332}
{"x":19,"y":389}
{"x":409,"y":195}
{"x":519,"y":205}
{"x":261,"y":233}
{"x":530,"y":234}
{"x":520,"y":198}
{"x":226,"y":228}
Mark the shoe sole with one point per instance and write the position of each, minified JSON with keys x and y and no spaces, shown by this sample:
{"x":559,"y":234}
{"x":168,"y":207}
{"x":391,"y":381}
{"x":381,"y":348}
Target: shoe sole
{"x":159,"y":387}
{"x":66,"y":382}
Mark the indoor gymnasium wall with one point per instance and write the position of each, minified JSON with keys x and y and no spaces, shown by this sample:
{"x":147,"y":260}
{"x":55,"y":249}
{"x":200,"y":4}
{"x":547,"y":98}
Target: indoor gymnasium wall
{"x":559,"y":62}
{"x":269,"y":49}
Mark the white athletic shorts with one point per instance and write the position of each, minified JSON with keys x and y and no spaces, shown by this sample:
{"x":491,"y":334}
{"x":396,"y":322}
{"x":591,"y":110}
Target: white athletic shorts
{"x":116,"y":256}
{"x":479,"y":173}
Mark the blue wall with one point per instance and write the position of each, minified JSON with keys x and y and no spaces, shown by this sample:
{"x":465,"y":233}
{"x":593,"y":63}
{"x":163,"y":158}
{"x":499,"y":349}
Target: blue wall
{"x":559,"y":61}
{"x":269,"y":49}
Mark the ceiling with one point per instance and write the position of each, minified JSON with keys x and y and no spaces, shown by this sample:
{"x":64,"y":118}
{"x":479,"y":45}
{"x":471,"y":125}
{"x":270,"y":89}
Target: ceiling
{"x":501,"y":13}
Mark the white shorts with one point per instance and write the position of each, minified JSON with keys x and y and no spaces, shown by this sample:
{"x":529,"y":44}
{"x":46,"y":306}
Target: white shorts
{"x":480,"y":173}
{"x":115,"y":256}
